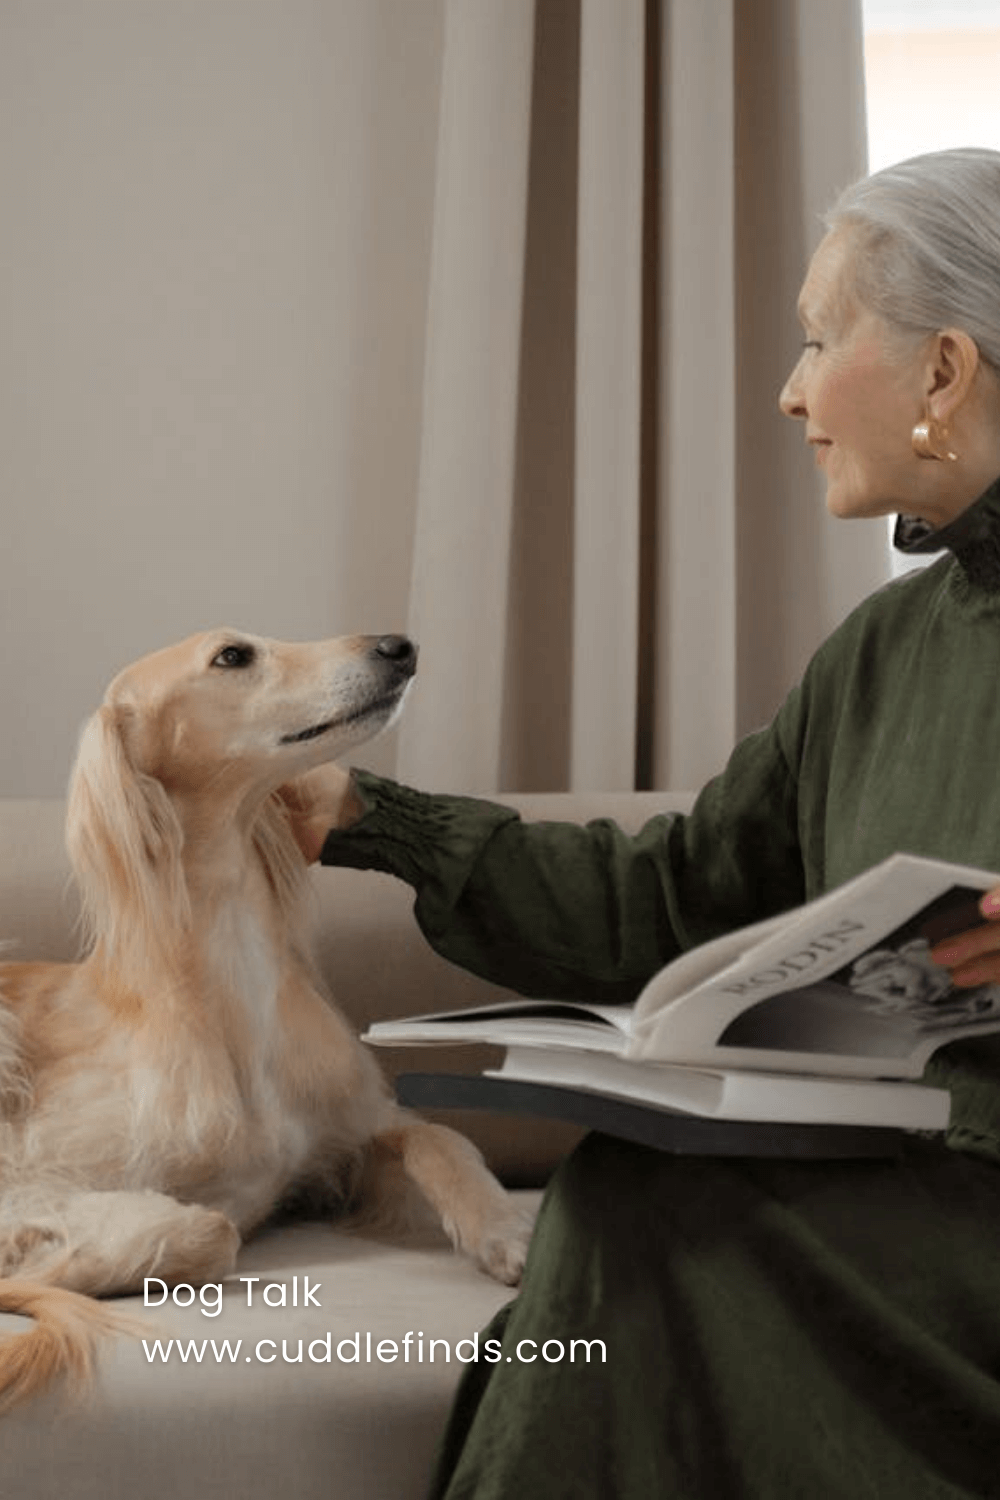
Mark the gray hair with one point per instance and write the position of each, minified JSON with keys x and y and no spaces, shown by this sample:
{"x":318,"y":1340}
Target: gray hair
{"x":927,"y":248}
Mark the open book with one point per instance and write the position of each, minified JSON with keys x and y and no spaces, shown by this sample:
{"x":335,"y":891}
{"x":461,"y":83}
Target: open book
{"x":826,"y":1014}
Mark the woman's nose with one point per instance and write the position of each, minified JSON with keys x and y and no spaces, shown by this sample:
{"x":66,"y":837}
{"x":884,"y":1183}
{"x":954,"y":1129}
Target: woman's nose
{"x":791,"y":401}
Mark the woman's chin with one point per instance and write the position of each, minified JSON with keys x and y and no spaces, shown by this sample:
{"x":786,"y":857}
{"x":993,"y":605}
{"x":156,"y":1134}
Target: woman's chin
{"x":847,"y":506}
{"x":844,"y":507}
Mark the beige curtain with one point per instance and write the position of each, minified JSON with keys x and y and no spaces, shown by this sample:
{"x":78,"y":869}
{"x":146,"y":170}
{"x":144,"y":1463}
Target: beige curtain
{"x":466,"y":317}
{"x":621,"y":556}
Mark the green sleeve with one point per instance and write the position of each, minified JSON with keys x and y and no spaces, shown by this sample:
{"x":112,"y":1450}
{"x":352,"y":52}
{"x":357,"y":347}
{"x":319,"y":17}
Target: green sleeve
{"x":588,"y":912}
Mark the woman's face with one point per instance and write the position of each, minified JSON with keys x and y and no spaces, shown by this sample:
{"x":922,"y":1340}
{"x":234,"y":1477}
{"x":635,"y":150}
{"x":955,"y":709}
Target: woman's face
{"x":858,"y":391}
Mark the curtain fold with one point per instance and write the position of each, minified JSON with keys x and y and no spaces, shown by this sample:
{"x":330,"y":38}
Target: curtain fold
{"x":608,"y":395}
{"x":691,"y":693}
{"x":464,"y":504}
{"x":799,"y":116}
{"x":622,"y":557}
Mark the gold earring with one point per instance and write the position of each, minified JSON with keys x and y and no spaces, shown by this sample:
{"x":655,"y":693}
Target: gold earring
{"x":930,"y":440}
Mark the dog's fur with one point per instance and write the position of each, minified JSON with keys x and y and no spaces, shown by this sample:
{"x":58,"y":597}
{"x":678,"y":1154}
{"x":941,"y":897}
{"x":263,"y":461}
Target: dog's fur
{"x":160,"y":1099}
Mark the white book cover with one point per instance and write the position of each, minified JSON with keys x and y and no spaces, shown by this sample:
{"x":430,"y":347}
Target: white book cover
{"x":732,"y":1094}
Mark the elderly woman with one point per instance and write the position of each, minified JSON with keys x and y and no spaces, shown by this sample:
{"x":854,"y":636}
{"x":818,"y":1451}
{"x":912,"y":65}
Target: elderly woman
{"x":773,"y":1328}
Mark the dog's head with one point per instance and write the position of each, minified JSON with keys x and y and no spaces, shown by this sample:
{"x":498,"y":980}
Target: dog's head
{"x":217,"y":722}
{"x":228,"y":705}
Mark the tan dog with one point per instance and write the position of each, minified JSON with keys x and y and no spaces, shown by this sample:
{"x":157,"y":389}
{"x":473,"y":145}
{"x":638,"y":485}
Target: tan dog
{"x":159,"y":1099}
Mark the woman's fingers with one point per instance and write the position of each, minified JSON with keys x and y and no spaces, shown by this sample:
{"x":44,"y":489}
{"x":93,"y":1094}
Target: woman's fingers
{"x":317,"y":801}
{"x":973,"y":957}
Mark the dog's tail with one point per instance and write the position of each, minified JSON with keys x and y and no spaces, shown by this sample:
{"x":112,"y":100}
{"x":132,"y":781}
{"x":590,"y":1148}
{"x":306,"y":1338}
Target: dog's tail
{"x":62,"y":1345}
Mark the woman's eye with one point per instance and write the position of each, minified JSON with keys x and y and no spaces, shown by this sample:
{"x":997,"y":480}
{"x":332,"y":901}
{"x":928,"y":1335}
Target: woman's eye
{"x":234,"y":656}
{"x":811,"y":344}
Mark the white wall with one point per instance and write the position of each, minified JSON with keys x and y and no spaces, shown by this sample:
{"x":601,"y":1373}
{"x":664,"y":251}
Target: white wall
{"x":205,"y":408}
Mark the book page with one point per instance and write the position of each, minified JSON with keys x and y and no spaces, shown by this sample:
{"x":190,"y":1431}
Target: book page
{"x":846,"y":986}
{"x":603,"y":1028}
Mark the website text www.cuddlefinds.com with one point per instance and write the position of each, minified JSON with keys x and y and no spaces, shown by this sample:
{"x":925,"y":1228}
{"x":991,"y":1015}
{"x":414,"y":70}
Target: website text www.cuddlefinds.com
{"x":352,"y":1348}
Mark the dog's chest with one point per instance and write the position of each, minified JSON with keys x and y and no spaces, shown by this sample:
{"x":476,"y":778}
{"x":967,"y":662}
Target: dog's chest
{"x":257,"y":1111}
{"x":216,"y":1085}
{"x":238,"y":1093}
{"x":239,"y":964}
{"x":212,"y":1128}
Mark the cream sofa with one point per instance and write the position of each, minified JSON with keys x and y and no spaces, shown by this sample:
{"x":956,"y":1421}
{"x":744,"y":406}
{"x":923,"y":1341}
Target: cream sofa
{"x":252,"y":1422}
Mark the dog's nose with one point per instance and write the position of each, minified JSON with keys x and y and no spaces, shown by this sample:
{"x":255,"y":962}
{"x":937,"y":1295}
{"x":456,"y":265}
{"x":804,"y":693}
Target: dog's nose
{"x":399,"y":650}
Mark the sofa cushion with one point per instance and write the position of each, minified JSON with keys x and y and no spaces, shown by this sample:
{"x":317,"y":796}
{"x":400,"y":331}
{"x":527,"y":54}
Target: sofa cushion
{"x":260,"y":1422}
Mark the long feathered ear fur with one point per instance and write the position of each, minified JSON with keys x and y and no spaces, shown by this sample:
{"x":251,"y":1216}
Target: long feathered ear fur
{"x":124,"y":843}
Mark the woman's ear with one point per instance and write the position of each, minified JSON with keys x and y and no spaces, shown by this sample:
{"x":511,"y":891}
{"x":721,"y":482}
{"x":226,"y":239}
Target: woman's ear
{"x":951,"y":373}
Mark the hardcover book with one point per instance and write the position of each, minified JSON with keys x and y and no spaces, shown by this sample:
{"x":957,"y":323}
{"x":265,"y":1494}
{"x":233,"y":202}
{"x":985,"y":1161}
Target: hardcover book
{"x":827,"y":1014}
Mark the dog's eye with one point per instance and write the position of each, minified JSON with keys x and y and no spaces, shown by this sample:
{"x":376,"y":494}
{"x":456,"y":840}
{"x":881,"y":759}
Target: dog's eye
{"x":234,"y":656}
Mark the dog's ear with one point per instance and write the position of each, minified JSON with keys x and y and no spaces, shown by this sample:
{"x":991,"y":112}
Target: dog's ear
{"x":124,"y":843}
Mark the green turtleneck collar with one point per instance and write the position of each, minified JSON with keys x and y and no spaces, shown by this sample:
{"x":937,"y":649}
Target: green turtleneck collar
{"x":973,"y":537}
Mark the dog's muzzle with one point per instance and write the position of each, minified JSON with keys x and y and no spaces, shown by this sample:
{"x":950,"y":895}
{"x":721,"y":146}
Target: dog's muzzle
{"x":396,"y":656}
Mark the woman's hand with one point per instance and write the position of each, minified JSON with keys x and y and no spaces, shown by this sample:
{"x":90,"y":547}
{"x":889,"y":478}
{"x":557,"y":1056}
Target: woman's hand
{"x":973,"y":957}
{"x":317,"y":802}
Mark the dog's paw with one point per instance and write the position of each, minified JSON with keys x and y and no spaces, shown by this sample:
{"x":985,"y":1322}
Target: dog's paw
{"x":213,"y":1245}
{"x":503,"y":1248}
{"x":25,"y":1249}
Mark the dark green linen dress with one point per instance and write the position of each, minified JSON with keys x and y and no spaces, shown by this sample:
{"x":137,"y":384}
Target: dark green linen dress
{"x":769,"y":1329}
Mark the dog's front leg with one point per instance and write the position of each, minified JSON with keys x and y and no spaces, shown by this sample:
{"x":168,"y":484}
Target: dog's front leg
{"x":478,"y":1214}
